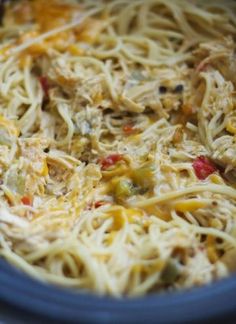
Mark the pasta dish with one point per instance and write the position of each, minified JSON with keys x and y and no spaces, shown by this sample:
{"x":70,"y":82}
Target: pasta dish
{"x":118,"y":143}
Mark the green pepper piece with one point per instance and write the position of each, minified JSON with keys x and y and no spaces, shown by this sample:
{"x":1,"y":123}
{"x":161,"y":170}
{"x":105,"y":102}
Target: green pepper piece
{"x":123,"y":189}
{"x":144,"y":176}
{"x":170,"y":273}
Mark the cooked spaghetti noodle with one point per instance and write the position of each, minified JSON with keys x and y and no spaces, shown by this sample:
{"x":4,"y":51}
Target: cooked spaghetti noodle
{"x":117,"y":142}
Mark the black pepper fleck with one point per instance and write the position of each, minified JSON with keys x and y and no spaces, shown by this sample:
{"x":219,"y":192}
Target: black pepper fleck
{"x":179,"y":88}
{"x":162,"y":89}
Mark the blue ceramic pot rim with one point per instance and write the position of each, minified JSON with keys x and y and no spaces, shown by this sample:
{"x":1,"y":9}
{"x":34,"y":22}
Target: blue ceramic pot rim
{"x":198,"y":304}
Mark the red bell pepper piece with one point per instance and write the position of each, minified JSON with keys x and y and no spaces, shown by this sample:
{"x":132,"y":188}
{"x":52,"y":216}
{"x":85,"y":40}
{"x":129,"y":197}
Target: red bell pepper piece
{"x":110,"y":160}
{"x":203,"y":167}
{"x":44,"y":84}
{"x":26,"y":201}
